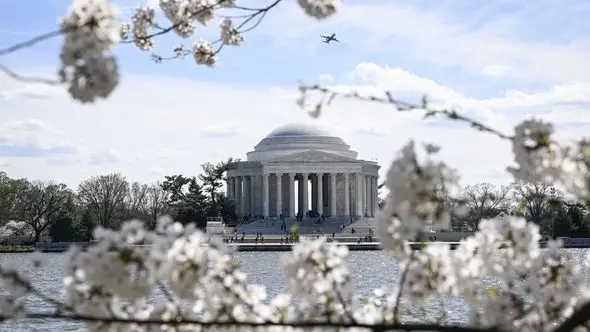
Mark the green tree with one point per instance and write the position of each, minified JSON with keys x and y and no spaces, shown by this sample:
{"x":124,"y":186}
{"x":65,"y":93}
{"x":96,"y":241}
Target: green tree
{"x":212,"y":179}
{"x":84,"y":227}
{"x":227,"y":208}
{"x":11,"y":191}
{"x":562,"y":224}
{"x":63,"y":224}
{"x":577,"y":213}
{"x":39,"y":203}
{"x":186,"y":199}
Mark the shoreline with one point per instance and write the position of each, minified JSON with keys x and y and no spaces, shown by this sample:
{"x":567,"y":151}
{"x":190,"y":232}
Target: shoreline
{"x":352,"y":246}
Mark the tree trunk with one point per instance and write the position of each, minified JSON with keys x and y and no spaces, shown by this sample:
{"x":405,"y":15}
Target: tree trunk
{"x":37,"y":235}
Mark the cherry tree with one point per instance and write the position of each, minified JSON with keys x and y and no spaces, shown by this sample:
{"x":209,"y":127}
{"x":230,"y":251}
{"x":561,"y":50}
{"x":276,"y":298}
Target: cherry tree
{"x":108,"y":284}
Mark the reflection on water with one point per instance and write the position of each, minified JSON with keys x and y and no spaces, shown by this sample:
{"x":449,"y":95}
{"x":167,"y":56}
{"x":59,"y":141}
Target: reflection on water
{"x":370,"y":269}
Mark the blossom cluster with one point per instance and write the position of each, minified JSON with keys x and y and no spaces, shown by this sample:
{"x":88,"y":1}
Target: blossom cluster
{"x":534,"y":289}
{"x":92,"y":28}
{"x":115,"y":278}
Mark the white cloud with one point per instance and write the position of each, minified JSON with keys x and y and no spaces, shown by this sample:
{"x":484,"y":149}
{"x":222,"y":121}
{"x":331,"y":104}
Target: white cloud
{"x":373,"y":79}
{"x":36,"y":91}
{"x":446,"y":35}
{"x":495,"y":70}
{"x":107,"y":156}
{"x":219,"y":130}
{"x":326,"y":77}
{"x":146,"y":138}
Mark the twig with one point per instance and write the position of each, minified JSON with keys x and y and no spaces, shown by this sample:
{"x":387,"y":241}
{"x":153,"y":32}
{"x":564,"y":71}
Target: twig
{"x":300,"y":324}
{"x":30,"y":42}
{"x":400,"y":106}
{"x":174,"y":26}
{"x":26,"y":79}
{"x":16,"y":278}
{"x":402,"y":282}
{"x":579,"y":317}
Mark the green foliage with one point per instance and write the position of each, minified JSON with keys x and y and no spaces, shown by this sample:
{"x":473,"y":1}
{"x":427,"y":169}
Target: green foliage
{"x":62,"y":224}
{"x":187,"y":201}
{"x":562,"y":225}
{"x":212,"y":179}
{"x":107,"y":200}
{"x":577,"y":213}
{"x":227,"y":208}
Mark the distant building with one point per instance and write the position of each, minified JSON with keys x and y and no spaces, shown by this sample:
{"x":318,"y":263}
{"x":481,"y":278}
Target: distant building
{"x":277,"y":177}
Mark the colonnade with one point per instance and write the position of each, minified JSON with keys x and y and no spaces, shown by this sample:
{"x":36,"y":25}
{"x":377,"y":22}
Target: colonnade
{"x":332,"y":194}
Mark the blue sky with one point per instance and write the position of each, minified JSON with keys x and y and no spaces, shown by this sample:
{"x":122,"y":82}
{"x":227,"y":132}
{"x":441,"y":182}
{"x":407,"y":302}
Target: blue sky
{"x":498,"y":61}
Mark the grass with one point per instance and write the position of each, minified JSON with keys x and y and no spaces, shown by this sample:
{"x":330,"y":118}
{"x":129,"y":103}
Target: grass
{"x":13,"y":248}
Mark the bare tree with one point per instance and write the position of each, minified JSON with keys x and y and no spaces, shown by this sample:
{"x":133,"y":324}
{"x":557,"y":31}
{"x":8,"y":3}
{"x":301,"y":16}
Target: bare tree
{"x":135,"y":201}
{"x":104,"y":195}
{"x":536,"y":201}
{"x":156,"y":203}
{"x":484,"y":201}
{"x":39,"y":203}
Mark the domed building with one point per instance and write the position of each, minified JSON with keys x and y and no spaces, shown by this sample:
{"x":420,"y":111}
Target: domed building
{"x":302,"y":169}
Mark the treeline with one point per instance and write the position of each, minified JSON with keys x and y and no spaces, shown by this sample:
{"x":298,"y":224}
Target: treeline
{"x":539,"y":203}
{"x":34,"y":208}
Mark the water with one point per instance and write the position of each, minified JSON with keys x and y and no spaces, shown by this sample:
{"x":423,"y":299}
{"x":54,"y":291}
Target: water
{"x":371,"y":269}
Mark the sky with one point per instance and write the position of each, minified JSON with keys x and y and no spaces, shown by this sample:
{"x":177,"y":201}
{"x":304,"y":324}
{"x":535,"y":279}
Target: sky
{"x":498,"y":61}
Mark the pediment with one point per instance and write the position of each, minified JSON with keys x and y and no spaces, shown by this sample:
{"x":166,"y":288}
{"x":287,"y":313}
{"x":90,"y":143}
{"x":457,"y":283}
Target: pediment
{"x":313,"y":156}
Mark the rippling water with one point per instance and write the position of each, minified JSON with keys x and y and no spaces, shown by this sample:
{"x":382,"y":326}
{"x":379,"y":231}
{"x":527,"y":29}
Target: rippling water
{"x":370,"y":269}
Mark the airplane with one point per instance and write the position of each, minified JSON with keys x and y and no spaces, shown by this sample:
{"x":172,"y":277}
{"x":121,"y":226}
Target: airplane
{"x":328,"y":39}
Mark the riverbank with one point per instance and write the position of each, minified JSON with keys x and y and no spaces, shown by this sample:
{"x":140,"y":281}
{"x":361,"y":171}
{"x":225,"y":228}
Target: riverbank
{"x":58,"y":247}
{"x":16,"y":249}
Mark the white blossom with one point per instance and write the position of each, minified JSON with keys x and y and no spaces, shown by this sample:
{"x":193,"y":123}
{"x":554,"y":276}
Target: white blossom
{"x":319,"y":8}
{"x":91,"y":29}
{"x":204,"y":53}
{"x":142,"y":21}
{"x":430,"y":272}
{"x":415,"y":199}
{"x":229,"y":34}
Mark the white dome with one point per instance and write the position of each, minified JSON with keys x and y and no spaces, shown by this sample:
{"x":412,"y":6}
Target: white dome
{"x":297,"y":138}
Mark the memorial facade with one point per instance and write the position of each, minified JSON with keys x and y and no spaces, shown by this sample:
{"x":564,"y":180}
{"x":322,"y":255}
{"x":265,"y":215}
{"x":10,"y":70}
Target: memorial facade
{"x":302,"y":169}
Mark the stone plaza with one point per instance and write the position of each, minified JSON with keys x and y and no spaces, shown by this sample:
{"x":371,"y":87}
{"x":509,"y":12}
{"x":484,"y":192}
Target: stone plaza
{"x":302,"y":170}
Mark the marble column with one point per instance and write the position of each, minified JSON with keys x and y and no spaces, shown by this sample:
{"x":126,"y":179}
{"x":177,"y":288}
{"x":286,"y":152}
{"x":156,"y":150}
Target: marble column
{"x":359,"y":194}
{"x":252,"y":186}
{"x":279,"y":194}
{"x":375,"y":195}
{"x":292,"y":209}
{"x":346,"y":195}
{"x":265,"y":195}
{"x":299,"y":194}
{"x":245,"y":196}
{"x":227,"y":188}
{"x":235,"y":189}
{"x":320,"y":194}
{"x":333,"y":194}
{"x":368,"y":194}
{"x":305,"y":189}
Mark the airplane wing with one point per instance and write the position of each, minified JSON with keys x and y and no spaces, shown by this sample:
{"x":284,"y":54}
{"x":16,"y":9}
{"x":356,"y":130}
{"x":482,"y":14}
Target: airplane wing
{"x":324,"y":36}
{"x":334,"y":39}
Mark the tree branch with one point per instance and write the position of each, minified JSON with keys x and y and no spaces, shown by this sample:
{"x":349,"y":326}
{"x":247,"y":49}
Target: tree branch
{"x":300,"y":324}
{"x":398,"y":104}
{"x":579,"y":317}
{"x":30,"y":42}
{"x":26,"y":79}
